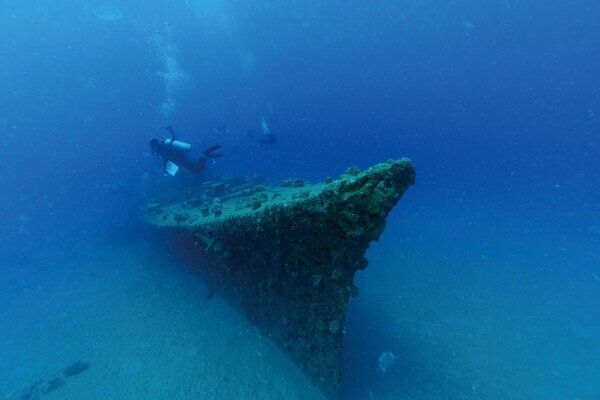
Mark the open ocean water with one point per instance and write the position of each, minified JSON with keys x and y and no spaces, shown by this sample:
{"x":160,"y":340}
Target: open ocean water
{"x":486,"y":282}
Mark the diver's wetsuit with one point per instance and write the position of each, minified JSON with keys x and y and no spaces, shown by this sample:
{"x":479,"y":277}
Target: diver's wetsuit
{"x":268,"y":140}
{"x":165,"y":151}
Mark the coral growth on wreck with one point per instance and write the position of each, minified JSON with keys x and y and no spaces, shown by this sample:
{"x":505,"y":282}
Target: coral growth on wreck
{"x":287,"y":255}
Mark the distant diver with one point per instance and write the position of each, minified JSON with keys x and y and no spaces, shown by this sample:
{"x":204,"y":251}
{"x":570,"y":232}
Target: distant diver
{"x":171,"y":154}
{"x":267,"y":138}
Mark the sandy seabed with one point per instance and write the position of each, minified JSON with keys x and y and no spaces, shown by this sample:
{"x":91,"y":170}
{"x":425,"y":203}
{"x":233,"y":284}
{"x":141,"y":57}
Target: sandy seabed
{"x":144,"y":325}
{"x":466,"y":322}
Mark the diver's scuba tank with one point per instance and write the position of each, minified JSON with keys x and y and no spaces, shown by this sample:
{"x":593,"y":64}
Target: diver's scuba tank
{"x":178,"y":144}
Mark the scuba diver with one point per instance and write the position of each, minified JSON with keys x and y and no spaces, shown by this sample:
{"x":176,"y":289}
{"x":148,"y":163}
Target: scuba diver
{"x":172,"y":154}
{"x":267,"y":138}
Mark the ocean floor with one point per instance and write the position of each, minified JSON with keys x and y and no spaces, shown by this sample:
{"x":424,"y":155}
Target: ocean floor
{"x":473,"y":319}
{"x":144,"y":325}
{"x":463,"y":322}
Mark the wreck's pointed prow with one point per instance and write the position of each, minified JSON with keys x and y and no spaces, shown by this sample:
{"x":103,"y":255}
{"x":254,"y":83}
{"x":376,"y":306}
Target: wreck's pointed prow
{"x":287,"y":255}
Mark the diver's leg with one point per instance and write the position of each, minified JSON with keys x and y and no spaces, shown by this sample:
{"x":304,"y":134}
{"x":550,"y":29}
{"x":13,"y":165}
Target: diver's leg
{"x":200,"y":164}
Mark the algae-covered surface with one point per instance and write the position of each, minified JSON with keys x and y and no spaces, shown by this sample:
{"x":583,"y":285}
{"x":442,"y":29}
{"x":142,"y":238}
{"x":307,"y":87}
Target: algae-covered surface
{"x":287,"y":255}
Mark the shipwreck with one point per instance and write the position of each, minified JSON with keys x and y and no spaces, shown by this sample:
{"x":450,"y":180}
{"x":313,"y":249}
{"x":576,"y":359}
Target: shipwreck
{"x":287,"y":255}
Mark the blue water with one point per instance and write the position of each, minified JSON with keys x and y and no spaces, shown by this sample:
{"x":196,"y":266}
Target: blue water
{"x":486,"y":283}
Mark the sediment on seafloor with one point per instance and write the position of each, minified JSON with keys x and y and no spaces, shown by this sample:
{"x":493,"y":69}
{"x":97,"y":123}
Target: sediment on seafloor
{"x":287,"y":255}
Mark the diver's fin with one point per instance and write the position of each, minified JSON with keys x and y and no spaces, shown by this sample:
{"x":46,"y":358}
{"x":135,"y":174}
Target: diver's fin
{"x":208,"y":153}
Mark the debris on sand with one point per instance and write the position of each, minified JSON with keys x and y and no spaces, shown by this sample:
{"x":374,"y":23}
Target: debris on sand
{"x":41,"y":388}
